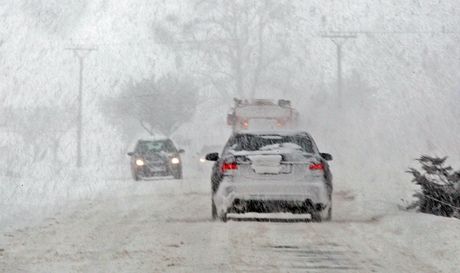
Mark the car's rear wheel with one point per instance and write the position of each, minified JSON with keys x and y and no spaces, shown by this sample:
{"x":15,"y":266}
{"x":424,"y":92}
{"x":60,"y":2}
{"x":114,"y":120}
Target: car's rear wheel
{"x":223,"y":217}
{"x":321,"y":215}
{"x":328,"y":214}
{"x":316,"y":216}
{"x":213,"y":210}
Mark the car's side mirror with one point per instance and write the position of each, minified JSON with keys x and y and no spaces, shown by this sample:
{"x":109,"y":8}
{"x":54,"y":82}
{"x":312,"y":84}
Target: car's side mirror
{"x":131,"y":153}
{"x":326,"y":156}
{"x":212,"y":157}
{"x":181,"y":151}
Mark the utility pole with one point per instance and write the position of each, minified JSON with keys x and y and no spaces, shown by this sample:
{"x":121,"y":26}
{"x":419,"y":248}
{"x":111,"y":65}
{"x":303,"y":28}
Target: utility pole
{"x":339,"y":39}
{"x":81,"y":53}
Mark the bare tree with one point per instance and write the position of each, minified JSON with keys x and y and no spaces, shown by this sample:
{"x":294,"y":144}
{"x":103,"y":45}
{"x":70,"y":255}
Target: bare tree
{"x":238,"y":44}
{"x":158,"y":106}
{"x":35,"y":135}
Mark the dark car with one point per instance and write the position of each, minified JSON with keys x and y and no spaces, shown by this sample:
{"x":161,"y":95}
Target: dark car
{"x":153,"y":158}
{"x":277,"y":171}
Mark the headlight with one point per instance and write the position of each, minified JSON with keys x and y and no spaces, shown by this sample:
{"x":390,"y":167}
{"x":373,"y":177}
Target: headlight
{"x":175,"y":160}
{"x":202,"y":160}
{"x":139,"y":162}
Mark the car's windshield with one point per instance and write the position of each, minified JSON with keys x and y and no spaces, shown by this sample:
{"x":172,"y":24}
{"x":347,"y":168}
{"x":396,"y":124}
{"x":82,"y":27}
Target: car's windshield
{"x":249,"y":142}
{"x":155,"y":146}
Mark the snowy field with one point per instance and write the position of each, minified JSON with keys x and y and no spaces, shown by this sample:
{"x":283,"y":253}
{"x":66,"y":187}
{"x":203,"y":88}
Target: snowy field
{"x":165,"y":226}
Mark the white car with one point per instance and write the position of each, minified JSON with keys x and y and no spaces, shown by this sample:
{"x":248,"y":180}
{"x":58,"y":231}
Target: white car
{"x":278,"y":171}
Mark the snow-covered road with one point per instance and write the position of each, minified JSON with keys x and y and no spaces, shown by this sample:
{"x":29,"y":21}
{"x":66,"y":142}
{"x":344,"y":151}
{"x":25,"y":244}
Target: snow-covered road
{"x":165,"y":226}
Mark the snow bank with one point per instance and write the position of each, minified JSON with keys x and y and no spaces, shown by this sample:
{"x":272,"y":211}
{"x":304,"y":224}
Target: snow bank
{"x":34,"y":196}
{"x":430,"y":238}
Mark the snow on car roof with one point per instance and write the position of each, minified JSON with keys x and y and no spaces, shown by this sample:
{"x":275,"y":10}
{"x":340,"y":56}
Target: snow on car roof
{"x":145,"y":138}
{"x":286,"y":132}
{"x":153,"y":139}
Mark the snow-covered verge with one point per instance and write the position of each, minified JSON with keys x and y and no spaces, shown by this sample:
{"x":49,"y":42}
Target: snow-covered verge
{"x":26,"y":200}
{"x":380,"y":201}
{"x":429,"y":238}
{"x":165,"y":226}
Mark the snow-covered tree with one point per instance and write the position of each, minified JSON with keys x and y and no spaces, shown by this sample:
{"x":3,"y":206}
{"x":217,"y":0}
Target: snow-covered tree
{"x":440,"y":187}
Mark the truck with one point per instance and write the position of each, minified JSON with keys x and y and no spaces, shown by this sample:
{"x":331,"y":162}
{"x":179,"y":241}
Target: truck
{"x":262,"y":114}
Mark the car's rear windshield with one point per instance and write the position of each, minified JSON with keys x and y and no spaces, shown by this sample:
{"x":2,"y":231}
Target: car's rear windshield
{"x":156,"y":146}
{"x":249,"y":142}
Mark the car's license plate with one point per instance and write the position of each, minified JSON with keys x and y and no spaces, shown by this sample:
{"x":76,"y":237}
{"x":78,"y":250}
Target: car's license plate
{"x":285,"y":168}
{"x":280,"y":169}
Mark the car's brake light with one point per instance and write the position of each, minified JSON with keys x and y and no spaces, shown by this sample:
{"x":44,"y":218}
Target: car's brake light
{"x":316,"y":167}
{"x":280,"y":123}
{"x":229,"y":166}
{"x":245,"y":124}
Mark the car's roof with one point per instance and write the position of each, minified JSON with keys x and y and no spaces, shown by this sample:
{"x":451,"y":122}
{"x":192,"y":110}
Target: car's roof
{"x":152,"y":139}
{"x":272,"y":132}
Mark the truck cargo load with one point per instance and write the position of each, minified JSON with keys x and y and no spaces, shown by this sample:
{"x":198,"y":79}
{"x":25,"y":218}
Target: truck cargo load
{"x":262,"y":114}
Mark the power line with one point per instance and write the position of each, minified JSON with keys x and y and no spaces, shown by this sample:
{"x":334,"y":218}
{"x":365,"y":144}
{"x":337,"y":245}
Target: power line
{"x":314,"y":33}
{"x":393,"y":32}
{"x":81,"y":53}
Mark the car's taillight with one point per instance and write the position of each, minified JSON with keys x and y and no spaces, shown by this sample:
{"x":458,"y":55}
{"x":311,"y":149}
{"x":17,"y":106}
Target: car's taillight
{"x":229,"y":166}
{"x":245,"y":123}
{"x":316,"y":167}
{"x":280,"y":123}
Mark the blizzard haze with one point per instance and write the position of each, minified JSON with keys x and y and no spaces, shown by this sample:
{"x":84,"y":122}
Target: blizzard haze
{"x":376,"y":83}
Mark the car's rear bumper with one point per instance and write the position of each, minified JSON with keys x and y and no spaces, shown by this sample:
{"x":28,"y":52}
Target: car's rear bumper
{"x":271,"y":194}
